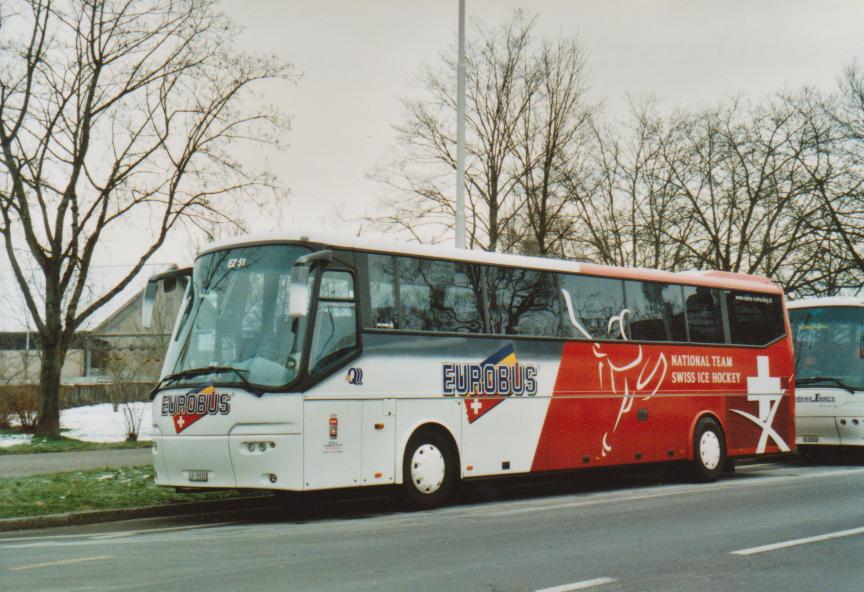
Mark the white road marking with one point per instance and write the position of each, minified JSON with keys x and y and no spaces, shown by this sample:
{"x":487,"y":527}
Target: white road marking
{"x":796,"y":542}
{"x":95,"y":538}
{"x":605,"y":498}
{"x":60,"y":562}
{"x":583,"y":585}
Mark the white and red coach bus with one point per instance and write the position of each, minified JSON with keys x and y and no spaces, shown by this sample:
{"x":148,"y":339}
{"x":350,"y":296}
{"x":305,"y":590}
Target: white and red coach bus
{"x":307,"y":363}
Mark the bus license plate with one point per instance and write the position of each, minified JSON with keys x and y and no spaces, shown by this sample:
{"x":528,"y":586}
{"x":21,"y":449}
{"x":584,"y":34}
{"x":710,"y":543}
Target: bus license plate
{"x":811,"y":439}
{"x":199,"y":476}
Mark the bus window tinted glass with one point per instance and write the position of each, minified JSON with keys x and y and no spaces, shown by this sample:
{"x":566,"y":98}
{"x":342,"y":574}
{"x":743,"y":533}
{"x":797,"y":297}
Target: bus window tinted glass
{"x":595,"y":302}
{"x":337,"y":285}
{"x":754,"y":319}
{"x":704,"y":318}
{"x":656,"y":311}
{"x":335,"y":322}
{"x":522,"y":302}
{"x":438,"y":296}
{"x":335,"y":334}
{"x":382,"y":291}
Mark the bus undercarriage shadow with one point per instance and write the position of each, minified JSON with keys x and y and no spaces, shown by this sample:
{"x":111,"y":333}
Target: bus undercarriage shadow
{"x":384,"y":501}
{"x":840,"y":456}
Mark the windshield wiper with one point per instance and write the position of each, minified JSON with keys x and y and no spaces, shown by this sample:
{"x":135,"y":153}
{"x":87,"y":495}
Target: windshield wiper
{"x":207,"y":370}
{"x":816,"y":379}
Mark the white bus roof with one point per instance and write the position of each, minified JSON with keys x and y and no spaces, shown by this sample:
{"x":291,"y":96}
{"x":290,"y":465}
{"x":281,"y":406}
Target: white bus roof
{"x":827,"y":301}
{"x":718,"y":279}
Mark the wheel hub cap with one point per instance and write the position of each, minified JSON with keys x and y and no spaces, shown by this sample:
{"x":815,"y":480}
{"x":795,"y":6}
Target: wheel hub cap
{"x":709,"y":450}
{"x":427,"y":469}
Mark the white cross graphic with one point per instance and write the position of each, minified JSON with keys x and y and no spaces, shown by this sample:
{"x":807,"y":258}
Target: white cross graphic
{"x":181,"y":422}
{"x":765,"y":389}
{"x":476,"y":406}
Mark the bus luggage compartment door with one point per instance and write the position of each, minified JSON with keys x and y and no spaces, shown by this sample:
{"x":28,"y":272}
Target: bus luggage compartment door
{"x":332,"y":443}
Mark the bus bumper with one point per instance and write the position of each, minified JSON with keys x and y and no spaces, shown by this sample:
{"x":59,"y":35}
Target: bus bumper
{"x":256,"y":461}
{"x":830,"y":431}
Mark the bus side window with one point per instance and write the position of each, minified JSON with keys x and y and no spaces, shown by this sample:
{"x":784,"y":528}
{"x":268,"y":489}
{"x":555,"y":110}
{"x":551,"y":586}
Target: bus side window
{"x":335,"y":321}
{"x":523,"y":302}
{"x":382,"y":291}
{"x":754,"y":319}
{"x":437,"y":296}
{"x":656,"y":311}
{"x":704,"y":317}
{"x":596,"y":300}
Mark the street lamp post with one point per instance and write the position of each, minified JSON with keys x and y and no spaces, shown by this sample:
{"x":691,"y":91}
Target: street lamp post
{"x":460,"y":133}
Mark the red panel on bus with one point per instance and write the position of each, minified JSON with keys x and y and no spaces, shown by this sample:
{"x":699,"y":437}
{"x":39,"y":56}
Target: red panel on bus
{"x":624,"y":402}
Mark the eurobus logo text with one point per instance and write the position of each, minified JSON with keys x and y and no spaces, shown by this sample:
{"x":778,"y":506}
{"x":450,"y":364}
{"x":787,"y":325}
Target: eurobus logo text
{"x":498,"y":375}
{"x":188,"y":408}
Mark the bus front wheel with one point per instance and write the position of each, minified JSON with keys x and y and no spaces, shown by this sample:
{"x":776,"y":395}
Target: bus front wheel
{"x":429,"y":470}
{"x":709,"y":451}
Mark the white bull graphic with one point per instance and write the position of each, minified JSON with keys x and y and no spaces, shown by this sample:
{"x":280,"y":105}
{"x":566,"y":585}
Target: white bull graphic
{"x":620,"y":374}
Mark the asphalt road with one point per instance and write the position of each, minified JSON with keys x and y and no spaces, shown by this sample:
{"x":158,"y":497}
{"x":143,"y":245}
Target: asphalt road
{"x":789,"y":527}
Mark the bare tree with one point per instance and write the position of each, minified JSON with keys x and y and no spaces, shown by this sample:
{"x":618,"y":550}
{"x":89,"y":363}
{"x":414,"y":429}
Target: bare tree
{"x":723,"y":188}
{"x":514,"y":91}
{"x":836,"y":129}
{"x":111,"y":109}
{"x":773,"y":188}
{"x":626,"y":209}
{"x":743,"y":186}
{"x":551,"y":146}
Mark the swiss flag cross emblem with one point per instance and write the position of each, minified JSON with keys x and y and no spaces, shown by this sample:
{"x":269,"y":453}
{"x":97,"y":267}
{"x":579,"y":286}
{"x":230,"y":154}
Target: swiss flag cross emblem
{"x":184,"y":420}
{"x":476,"y":405}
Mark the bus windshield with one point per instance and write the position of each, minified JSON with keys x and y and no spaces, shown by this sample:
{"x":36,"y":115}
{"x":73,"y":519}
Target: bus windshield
{"x":829,"y":346}
{"x":238,"y":321}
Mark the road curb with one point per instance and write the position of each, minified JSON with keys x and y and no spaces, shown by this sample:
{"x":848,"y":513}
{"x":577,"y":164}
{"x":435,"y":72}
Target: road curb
{"x":116,"y":515}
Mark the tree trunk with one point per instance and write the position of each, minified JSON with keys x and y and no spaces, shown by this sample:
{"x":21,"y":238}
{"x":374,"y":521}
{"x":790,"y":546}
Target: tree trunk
{"x":48,"y":424}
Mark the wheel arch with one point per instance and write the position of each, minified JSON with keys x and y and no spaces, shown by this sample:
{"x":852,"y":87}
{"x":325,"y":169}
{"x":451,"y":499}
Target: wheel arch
{"x":427,"y":426}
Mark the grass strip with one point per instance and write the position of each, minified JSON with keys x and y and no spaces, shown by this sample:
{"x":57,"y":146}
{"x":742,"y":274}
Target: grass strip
{"x":64,"y":444}
{"x":101,"y":489}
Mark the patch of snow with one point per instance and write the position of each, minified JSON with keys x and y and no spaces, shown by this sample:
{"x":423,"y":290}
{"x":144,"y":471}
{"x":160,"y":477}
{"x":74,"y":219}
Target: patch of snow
{"x":100,"y":423}
{"x":7,"y":440}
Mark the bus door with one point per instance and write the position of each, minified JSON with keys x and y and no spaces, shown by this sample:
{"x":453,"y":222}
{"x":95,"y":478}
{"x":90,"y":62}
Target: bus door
{"x":333,"y":407}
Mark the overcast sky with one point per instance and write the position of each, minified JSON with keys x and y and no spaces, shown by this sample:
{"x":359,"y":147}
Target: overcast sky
{"x":360,"y":57}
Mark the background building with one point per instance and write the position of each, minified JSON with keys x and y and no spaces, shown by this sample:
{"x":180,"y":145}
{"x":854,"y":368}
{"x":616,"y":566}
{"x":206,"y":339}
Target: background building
{"x":111,"y":351}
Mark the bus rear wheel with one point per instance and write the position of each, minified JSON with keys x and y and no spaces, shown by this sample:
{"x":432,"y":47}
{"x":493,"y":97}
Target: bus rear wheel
{"x":709,"y":451}
{"x":428,"y":471}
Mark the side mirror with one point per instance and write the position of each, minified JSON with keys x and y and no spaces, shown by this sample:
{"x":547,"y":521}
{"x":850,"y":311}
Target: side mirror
{"x":169,"y":280}
{"x":298,"y":293}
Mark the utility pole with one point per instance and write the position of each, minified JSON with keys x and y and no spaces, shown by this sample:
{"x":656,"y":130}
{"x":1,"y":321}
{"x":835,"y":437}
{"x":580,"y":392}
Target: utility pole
{"x":460,"y":133}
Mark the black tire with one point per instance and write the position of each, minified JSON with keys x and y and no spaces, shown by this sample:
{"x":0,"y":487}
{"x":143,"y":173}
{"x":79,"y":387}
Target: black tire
{"x":709,"y":451}
{"x":429,"y":470}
